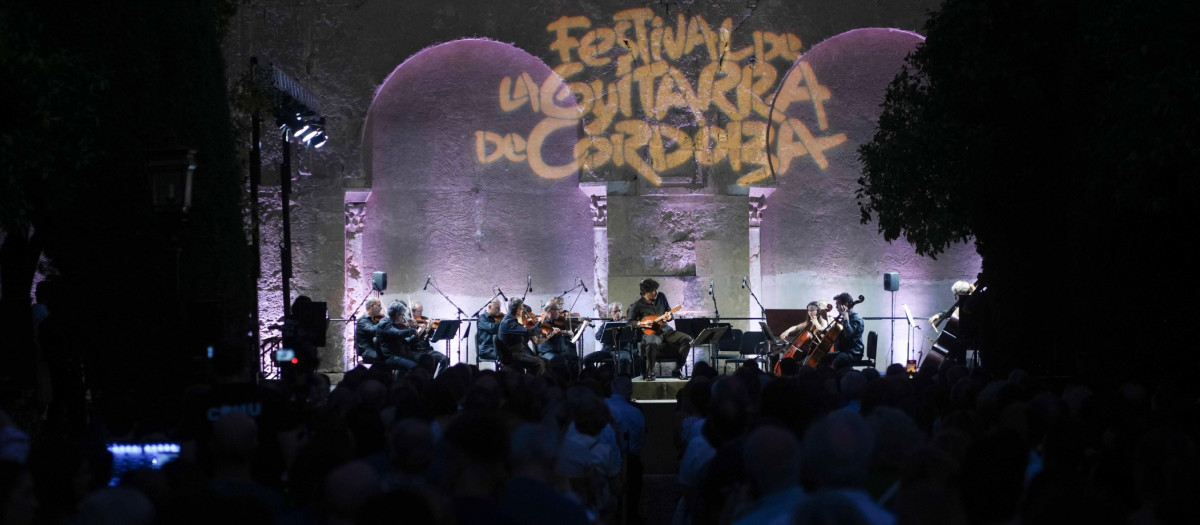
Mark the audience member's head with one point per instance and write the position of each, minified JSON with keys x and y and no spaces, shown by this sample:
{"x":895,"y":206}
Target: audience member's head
{"x":116,"y":506}
{"x":347,"y":490}
{"x":896,"y":437}
{"x":234,"y":440}
{"x":534,"y":450}
{"x":772,"y":459}
{"x":837,"y":451}
{"x":828,"y":508}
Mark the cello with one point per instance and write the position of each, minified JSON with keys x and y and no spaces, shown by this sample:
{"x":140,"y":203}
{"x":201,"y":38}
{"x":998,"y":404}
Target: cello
{"x":827,"y":339}
{"x":807,"y":339}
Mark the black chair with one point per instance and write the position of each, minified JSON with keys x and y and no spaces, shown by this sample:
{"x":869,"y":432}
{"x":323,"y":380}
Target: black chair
{"x":751,"y":347}
{"x":868,"y":358}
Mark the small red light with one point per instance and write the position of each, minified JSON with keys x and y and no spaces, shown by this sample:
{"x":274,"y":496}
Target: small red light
{"x":295,"y":360}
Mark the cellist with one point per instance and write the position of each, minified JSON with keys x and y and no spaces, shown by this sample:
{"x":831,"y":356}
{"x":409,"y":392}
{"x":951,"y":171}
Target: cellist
{"x":807,"y":333}
{"x":849,"y":344}
{"x":818,"y":319}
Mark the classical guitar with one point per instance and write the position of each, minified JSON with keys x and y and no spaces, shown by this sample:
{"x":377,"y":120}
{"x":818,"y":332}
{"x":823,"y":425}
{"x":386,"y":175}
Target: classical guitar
{"x":650,"y":324}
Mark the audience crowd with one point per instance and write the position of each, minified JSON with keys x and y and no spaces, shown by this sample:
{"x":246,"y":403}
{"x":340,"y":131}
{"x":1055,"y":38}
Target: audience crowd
{"x":820,"y":446}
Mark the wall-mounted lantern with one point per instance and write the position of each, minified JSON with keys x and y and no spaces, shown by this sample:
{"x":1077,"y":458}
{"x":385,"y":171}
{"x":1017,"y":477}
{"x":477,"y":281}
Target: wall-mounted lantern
{"x":170,"y":173}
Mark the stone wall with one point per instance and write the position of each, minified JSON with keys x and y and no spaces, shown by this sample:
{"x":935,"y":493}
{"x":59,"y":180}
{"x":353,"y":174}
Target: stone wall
{"x":601,"y":140}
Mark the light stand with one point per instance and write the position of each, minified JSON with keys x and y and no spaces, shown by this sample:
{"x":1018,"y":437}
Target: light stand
{"x":892,"y":350}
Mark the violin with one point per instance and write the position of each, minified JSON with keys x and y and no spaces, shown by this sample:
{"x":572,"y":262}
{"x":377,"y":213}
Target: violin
{"x":429,"y":324}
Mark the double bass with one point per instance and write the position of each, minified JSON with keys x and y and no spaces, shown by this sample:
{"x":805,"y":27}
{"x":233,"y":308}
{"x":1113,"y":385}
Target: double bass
{"x":827,"y":339}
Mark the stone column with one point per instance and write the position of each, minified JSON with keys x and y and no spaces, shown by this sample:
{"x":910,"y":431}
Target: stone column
{"x":758,"y":204}
{"x":597,"y":192}
{"x":358,"y":283}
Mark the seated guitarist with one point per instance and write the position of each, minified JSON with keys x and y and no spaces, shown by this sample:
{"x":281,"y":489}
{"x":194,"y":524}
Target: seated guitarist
{"x":664,"y":340}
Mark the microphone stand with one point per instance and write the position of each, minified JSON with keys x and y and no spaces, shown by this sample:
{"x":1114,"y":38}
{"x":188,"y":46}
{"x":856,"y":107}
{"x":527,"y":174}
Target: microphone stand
{"x":460,"y":316}
{"x":760,"y":306}
{"x":716,"y":311}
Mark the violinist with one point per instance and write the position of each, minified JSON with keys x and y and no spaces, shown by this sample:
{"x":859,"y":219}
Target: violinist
{"x":395,"y":338}
{"x":664,"y":339}
{"x":609,"y":352}
{"x":849,"y":344}
{"x":421,"y":346}
{"x":364,"y":332}
{"x":513,"y":334}
{"x":554,"y":343}
{"x":488,"y":326}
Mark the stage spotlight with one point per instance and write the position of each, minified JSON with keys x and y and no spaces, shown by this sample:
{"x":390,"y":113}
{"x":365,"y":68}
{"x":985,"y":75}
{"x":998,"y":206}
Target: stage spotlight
{"x":311,"y":134}
{"x":303,"y":129}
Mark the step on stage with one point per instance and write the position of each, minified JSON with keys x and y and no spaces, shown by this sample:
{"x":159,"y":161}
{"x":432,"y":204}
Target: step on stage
{"x":658,"y":390}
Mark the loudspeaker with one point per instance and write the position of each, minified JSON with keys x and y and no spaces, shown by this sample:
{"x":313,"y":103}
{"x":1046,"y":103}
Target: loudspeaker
{"x":379,"y":281}
{"x":891,"y":281}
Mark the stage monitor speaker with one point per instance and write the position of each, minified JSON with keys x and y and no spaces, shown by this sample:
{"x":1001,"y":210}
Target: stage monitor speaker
{"x":891,"y":281}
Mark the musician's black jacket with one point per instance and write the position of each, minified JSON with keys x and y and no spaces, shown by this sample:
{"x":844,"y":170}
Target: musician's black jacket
{"x":394,"y":340}
{"x":850,"y":339}
{"x":364,"y":336}
{"x":641,"y":308}
{"x":486,"y":331}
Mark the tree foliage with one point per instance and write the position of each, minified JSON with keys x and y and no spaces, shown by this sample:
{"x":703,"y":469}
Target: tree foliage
{"x":1059,"y":135}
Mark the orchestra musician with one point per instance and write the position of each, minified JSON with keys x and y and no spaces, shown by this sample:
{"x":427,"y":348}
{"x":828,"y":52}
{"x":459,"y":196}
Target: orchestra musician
{"x":487,"y":327}
{"x":394,"y":339}
{"x":663,"y":340}
{"x":513,"y":334}
{"x":421,"y":346}
{"x":957,"y":351}
{"x":609,"y":352}
{"x":818,"y":319}
{"x":849,"y":344}
{"x":364,"y":331}
{"x":553,"y":342}
{"x":959,"y":289}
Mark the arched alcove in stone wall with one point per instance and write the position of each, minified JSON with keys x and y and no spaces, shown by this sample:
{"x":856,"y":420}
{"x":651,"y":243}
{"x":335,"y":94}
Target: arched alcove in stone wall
{"x":437,"y":209}
{"x":813,"y":245}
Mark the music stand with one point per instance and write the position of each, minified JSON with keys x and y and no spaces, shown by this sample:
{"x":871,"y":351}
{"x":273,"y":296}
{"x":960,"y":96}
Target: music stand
{"x":579,"y":333}
{"x":775,"y":341}
{"x":445,"y":330}
{"x":693,"y":326}
{"x":708,"y":336}
{"x":617,"y":334}
{"x":610,"y":330}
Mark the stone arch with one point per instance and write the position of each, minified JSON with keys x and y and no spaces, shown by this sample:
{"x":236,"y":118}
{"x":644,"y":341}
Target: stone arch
{"x":812,"y":243}
{"x":438,"y":207}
